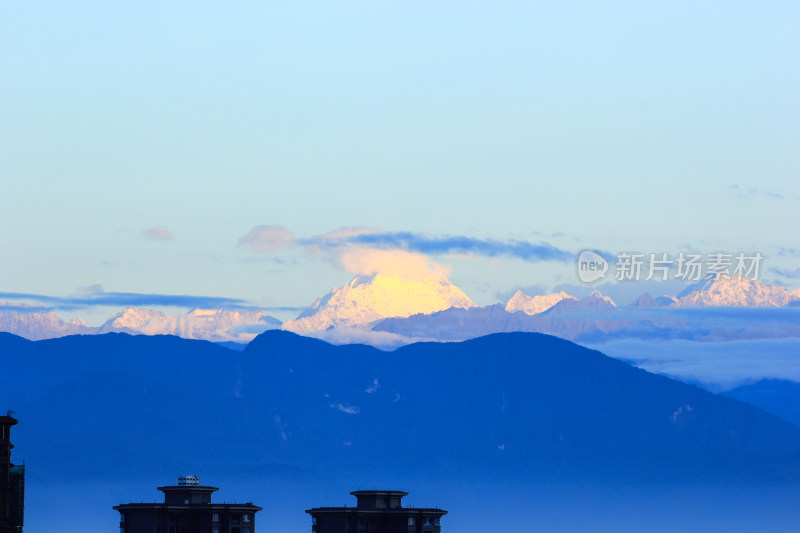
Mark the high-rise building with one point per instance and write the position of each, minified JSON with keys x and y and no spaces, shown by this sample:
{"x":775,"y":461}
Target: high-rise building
{"x":376,"y":511}
{"x":187,"y":508}
{"x":12,"y":482}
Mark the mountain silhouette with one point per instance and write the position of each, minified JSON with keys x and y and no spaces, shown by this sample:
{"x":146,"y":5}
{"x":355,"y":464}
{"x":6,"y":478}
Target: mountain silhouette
{"x":518,"y":402}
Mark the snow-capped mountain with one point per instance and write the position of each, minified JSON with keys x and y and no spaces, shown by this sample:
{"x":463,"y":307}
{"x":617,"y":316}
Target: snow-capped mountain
{"x":216,"y":325}
{"x":369,"y":298}
{"x":734,"y":291}
{"x":594,"y":301}
{"x":38,"y":325}
{"x":136,"y":320}
{"x":535,"y":304}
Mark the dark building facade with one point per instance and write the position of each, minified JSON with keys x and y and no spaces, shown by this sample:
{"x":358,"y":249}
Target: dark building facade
{"x":16,"y":500}
{"x":187,"y":508}
{"x":12,"y":482}
{"x":376,"y":511}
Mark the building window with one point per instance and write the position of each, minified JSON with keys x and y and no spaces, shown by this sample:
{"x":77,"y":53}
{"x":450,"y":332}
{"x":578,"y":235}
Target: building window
{"x":435,"y":521}
{"x":412,"y":521}
{"x":245,"y":518}
{"x":215,"y":529}
{"x":245,"y":530}
{"x":427,"y":521}
{"x":121,"y":517}
{"x":313,"y":520}
{"x":215,"y":517}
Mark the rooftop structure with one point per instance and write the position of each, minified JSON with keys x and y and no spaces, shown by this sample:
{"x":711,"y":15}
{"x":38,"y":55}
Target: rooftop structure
{"x":187,"y":508}
{"x":376,"y":511}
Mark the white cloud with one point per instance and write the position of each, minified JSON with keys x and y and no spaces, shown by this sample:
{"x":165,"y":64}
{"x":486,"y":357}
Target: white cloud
{"x":365,"y":261}
{"x":157,"y":233}
{"x":367,"y":251}
{"x":338,"y":248}
{"x":95,"y":288}
{"x":719,"y":365}
{"x":267,"y":239}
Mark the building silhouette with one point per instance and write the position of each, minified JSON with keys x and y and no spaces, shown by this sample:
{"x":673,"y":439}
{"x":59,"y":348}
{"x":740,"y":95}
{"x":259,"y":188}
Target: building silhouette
{"x":187,"y":508}
{"x":376,"y":511}
{"x":12,"y":482}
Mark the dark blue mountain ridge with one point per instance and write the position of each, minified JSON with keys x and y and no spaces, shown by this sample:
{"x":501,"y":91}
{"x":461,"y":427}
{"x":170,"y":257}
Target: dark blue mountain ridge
{"x":521,"y":405}
{"x":777,"y":396}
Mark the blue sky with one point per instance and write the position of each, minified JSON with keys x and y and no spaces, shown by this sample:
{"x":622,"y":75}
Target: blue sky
{"x":659,"y":127}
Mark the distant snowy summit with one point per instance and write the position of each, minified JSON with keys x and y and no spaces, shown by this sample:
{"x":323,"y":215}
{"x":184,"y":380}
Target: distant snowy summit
{"x":734,"y":291}
{"x":594,"y":301}
{"x":367,"y":299}
{"x":560,"y":302}
{"x":216,"y":325}
{"x":36,"y":325}
{"x":533,"y":305}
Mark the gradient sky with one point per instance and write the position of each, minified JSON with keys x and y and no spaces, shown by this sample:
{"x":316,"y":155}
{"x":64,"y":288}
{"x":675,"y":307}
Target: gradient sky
{"x":139,"y":141}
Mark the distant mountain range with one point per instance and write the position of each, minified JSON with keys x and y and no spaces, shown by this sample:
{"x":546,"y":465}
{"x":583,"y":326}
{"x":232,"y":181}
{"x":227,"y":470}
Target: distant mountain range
{"x":435,"y":309}
{"x":217,"y":325}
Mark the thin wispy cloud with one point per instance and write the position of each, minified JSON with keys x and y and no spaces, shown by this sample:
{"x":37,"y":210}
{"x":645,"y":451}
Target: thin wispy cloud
{"x":129,"y":299}
{"x":787,"y":273}
{"x":459,"y":244}
{"x":95,"y":288}
{"x":268,"y":239}
{"x":366,"y":251}
{"x":23,"y":308}
{"x":788,"y":252}
{"x":157,"y":233}
{"x":757,"y":192}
